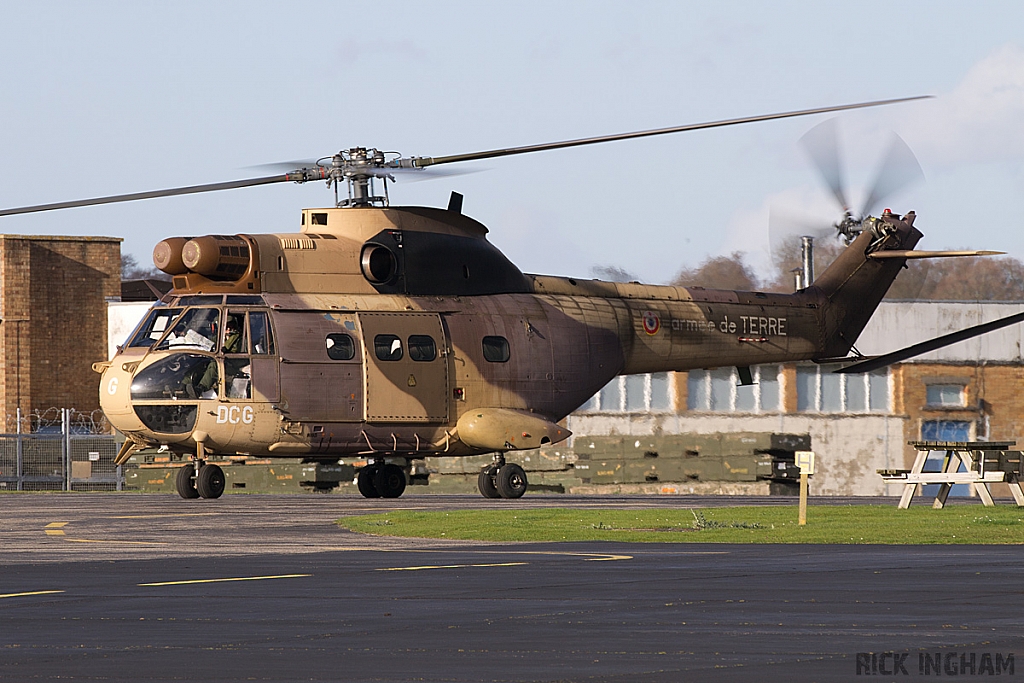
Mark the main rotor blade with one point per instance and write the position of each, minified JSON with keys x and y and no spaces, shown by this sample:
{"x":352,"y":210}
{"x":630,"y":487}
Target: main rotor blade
{"x":899,"y":169}
{"x":191,"y":189}
{"x":473,"y":156}
{"x":930,"y":345}
{"x":822,"y":144}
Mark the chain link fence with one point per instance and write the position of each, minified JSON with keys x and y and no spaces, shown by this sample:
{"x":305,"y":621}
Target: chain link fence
{"x":60,"y":449}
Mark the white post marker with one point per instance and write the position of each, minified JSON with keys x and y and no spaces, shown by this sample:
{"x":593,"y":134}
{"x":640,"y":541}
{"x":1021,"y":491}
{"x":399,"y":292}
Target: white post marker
{"x":805,"y":461}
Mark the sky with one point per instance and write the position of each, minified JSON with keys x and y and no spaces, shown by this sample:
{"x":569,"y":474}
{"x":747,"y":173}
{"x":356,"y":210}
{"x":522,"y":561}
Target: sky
{"x":106,"y":98}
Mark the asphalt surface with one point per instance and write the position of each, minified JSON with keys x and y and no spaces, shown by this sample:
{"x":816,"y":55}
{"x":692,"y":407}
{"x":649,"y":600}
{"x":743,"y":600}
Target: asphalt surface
{"x":267,"y":588}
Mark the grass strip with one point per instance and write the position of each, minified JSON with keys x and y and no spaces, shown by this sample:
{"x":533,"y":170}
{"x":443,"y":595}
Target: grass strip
{"x":825,"y":524}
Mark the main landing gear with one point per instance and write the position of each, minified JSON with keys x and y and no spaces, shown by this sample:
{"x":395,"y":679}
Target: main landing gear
{"x":197,"y":479}
{"x":502,"y":480}
{"x":381,"y":480}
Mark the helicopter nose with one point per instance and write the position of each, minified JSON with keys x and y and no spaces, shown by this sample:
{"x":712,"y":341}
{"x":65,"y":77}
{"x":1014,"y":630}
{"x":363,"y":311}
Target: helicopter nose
{"x":115,"y":398}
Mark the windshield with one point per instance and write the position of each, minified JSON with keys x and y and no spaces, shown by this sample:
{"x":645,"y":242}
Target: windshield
{"x":183,"y":376}
{"x":197,"y":328}
{"x":154,"y":326}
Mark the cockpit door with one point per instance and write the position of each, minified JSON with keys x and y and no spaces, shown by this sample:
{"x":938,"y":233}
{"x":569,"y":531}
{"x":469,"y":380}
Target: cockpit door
{"x":406,"y":367}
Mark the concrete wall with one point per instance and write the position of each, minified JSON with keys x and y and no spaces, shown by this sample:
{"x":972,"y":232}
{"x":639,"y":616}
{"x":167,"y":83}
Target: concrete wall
{"x":122,"y":317}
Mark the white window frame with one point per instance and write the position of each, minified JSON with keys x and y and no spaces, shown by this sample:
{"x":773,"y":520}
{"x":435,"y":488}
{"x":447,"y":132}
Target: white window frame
{"x":595,"y":400}
{"x":755,"y":372}
{"x":844,"y":379}
{"x":962,"y":403}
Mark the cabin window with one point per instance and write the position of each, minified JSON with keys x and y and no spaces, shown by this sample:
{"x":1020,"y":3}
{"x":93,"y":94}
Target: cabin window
{"x":820,"y":390}
{"x":719,"y":390}
{"x":155,"y":325}
{"x":496,"y":349}
{"x":340,"y":346}
{"x":387,"y":347}
{"x":196,"y":328}
{"x":262,"y":336}
{"x":422,"y":348}
{"x":633,"y":393}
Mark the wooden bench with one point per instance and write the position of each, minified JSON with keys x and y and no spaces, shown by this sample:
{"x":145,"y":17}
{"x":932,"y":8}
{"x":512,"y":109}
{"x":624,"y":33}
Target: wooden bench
{"x":985,"y":462}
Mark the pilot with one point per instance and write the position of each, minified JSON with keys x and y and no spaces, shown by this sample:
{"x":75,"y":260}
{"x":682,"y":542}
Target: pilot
{"x":233,"y":336}
{"x":201,"y":382}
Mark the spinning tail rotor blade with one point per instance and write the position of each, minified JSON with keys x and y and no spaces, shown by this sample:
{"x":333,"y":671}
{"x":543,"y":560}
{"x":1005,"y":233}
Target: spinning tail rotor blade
{"x":785,"y":230}
{"x":899,"y":169}
{"x":822,"y":144}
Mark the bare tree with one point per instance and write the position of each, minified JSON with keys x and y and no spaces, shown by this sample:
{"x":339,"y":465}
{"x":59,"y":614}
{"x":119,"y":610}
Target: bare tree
{"x":131,"y":269}
{"x":720,"y":272}
{"x":613,"y":274}
{"x":787,"y":259}
{"x":961,"y":279}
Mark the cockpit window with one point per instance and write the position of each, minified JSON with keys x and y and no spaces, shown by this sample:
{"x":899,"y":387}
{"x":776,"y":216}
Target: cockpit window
{"x":196,"y":328}
{"x":262,"y":337}
{"x":235,"y":338}
{"x":182,"y":376}
{"x":156,"y":323}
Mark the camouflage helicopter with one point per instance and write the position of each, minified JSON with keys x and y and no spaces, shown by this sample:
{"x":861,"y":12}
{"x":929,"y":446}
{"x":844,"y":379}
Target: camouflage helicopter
{"x":396,"y":333}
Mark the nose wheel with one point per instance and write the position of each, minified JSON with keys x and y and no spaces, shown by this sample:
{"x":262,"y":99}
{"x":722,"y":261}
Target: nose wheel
{"x":209,"y":482}
{"x":502,"y":480}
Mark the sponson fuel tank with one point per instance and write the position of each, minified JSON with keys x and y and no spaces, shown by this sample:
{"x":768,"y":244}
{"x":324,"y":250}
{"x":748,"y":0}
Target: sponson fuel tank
{"x":419,"y":251}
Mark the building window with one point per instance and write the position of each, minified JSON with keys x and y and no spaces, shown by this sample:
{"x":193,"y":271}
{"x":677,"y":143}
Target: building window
{"x":719,"y":390}
{"x":649,"y":393}
{"x":946,"y":395}
{"x":945,"y":430}
{"x":819,"y":390}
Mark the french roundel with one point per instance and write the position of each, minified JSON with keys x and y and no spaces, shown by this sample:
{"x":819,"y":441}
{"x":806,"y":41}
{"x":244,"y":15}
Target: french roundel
{"x":652,"y":323}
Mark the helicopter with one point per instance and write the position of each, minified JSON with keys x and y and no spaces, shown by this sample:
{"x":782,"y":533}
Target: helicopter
{"x":393,"y":333}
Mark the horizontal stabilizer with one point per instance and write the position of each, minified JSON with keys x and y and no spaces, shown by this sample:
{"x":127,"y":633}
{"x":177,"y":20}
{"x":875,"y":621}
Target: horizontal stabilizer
{"x":931,"y":345}
{"x":914,"y":254}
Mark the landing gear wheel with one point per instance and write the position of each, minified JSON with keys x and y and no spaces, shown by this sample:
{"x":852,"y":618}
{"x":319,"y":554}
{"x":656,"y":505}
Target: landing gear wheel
{"x":364,"y":482}
{"x":210,"y":482}
{"x":511,"y":481}
{"x":485,"y":482}
{"x":390,"y":481}
{"x":185,"y":483}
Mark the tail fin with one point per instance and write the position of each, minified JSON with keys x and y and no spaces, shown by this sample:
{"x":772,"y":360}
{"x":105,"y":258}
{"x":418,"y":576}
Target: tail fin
{"x":851,"y":288}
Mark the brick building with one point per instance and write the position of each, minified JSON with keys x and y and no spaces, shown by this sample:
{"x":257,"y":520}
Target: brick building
{"x":972,"y":390}
{"x":53,"y":320}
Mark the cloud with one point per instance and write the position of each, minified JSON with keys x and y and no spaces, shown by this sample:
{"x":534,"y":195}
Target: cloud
{"x":980,"y":119}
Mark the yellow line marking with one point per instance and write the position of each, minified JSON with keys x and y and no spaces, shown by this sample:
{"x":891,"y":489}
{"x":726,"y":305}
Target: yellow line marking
{"x":101,"y":540}
{"x":19,"y":595}
{"x":237,"y":578}
{"x":53,"y":525}
{"x":182,"y":514}
{"x":450,"y":566}
{"x":54,"y":532}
